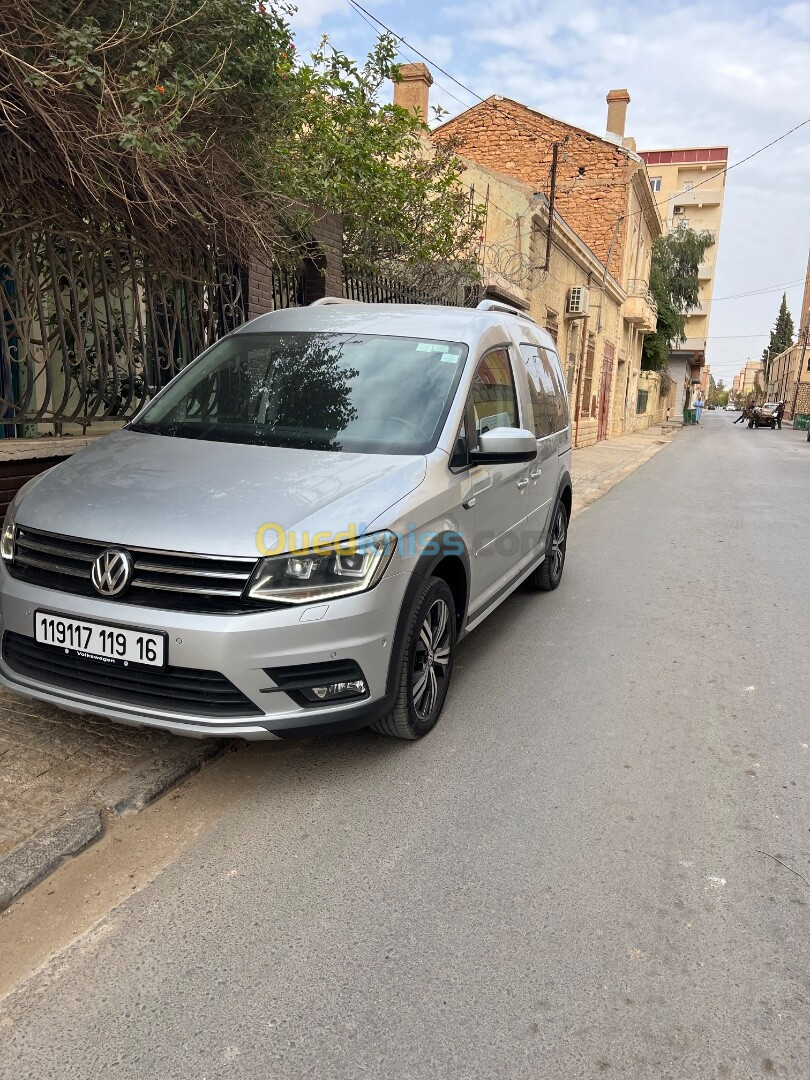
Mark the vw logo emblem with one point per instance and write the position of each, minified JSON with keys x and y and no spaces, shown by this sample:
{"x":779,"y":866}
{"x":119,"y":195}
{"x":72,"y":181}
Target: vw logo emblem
{"x":111,"y":572}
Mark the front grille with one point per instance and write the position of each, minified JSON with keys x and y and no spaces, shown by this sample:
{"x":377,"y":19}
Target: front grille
{"x":170,"y":689}
{"x":162,"y":579}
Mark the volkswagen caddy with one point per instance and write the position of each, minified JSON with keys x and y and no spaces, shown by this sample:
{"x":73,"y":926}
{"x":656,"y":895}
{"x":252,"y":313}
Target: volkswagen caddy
{"x":295,"y":533}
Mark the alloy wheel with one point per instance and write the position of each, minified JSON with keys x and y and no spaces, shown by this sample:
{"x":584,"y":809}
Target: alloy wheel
{"x":431,"y":659}
{"x":558,"y":544}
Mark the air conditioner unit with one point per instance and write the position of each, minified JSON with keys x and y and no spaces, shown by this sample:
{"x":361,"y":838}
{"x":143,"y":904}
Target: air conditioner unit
{"x":680,"y":210}
{"x":577,"y":303}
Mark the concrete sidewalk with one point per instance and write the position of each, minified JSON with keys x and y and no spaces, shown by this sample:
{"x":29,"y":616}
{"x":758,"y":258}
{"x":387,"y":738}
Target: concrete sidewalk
{"x":598,"y":468}
{"x":62,"y":774}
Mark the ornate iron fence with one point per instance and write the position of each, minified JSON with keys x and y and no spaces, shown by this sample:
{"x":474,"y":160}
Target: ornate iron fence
{"x":386,"y":290}
{"x":89,"y":332}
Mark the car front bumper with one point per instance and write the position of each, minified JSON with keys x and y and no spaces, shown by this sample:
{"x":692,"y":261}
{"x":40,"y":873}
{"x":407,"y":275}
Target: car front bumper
{"x":359,"y":628}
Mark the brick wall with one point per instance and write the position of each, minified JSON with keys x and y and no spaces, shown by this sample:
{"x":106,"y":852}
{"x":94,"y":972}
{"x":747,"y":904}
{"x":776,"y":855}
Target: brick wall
{"x":593,"y":175}
{"x":322,"y":267}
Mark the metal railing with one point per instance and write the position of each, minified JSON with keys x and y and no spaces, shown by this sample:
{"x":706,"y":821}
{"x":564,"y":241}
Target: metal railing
{"x":640,"y":287}
{"x":386,"y":290}
{"x":88,"y":332}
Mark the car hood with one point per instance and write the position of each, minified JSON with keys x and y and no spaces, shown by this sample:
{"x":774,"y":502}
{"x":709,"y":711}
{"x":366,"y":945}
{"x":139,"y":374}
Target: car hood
{"x":211,"y":498}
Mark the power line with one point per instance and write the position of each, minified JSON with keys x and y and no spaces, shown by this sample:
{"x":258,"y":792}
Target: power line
{"x":759,"y":292}
{"x":485,"y":101}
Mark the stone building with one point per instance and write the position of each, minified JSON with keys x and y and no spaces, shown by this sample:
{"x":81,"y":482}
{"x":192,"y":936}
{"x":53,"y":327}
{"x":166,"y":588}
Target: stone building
{"x":789,"y":372}
{"x":603,"y":198}
{"x":689,"y":185}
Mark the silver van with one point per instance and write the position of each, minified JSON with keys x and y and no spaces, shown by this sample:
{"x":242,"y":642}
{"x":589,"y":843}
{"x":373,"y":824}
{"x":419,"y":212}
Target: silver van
{"x":296,"y":532}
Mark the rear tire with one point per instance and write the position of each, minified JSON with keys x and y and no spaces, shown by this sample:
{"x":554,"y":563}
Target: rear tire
{"x":548,"y":574}
{"x":427,"y":664}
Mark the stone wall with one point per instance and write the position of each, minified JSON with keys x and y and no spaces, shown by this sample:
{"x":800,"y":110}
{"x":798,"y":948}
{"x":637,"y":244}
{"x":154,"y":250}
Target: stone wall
{"x":592,"y":174}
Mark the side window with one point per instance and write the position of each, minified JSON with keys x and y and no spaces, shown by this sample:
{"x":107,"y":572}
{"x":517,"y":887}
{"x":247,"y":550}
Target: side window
{"x":494,"y":397}
{"x":546,"y":390}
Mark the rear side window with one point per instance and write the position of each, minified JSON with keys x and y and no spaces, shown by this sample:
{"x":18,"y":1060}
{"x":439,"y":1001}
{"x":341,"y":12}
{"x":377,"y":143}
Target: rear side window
{"x":494,"y":396}
{"x":549,"y":411}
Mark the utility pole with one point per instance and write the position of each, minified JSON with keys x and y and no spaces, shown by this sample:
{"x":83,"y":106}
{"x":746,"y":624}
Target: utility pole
{"x":555,"y":148}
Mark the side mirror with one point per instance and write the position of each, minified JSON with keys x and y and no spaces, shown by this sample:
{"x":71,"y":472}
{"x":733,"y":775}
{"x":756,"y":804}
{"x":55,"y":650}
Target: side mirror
{"x":504,"y":445}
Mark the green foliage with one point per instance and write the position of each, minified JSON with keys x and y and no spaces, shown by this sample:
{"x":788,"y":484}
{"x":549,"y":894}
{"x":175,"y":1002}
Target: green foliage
{"x":193,"y":119}
{"x":674,"y":284}
{"x":718,"y":395}
{"x":781,"y":335}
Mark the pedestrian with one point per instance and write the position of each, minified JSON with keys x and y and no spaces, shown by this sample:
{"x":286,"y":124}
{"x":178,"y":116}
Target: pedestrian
{"x":698,"y":408}
{"x":780,"y":412}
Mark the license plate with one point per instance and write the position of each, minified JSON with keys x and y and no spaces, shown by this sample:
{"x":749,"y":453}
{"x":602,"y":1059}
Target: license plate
{"x":115,"y":645}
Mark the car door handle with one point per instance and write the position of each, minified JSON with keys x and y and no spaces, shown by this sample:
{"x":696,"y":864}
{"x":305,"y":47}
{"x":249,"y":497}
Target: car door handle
{"x":522,"y":483}
{"x":535,"y":473}
{"x":468,"y":503}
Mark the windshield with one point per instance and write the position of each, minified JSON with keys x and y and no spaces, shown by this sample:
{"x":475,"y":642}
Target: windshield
{"x":352,"y":392}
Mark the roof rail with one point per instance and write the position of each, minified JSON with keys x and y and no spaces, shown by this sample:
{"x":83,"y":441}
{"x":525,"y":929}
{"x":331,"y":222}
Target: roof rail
{"x":332,"y":300}
{"x":496,"y":305}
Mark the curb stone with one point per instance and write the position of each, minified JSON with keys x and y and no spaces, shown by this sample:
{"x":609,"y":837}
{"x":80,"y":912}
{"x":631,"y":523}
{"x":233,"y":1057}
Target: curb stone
{"x":37,"y":857}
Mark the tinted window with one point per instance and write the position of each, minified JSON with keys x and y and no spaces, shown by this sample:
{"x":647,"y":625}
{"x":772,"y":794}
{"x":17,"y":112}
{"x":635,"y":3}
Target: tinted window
{"x":359,"y":392}
{"x":493,"y":393}
{"x":549,"y":411}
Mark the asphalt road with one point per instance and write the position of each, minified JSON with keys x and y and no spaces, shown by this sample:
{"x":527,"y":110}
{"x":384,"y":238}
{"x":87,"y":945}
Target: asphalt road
{"x":564,"y":880}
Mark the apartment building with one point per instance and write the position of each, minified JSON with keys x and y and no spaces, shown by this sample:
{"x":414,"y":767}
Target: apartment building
{"x":751,"y":380}
{"x":689,"y":185}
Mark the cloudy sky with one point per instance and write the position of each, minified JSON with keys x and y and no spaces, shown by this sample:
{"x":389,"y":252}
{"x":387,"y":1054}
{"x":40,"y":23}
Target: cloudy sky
{"x":729,"y":72}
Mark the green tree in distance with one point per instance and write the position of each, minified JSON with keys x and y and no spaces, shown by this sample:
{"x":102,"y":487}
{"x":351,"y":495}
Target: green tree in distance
{"x":781,"y":336}
{"x":675,"y":285}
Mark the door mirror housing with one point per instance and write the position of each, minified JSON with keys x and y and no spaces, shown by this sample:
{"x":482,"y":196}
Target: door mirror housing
{"x":503,"y":445}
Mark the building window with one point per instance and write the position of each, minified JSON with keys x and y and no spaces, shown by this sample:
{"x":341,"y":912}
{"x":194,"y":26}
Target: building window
{"x":687,"y":185}
{"x":655,"y":184}
{"x":641,"y":403}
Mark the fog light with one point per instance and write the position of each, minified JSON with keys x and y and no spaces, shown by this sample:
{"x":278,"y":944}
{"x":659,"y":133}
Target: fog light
{"x":356,"y":688}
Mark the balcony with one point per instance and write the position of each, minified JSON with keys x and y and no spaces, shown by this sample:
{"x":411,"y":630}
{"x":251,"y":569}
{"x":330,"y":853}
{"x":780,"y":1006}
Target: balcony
{"x":705,"y":271}
{"x":700,"y":196}
{"x":640,"y":308}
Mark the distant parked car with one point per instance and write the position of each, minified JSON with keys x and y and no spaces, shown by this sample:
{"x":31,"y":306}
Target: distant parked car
{"x":711,"y":408}
{"x":731,"y":407}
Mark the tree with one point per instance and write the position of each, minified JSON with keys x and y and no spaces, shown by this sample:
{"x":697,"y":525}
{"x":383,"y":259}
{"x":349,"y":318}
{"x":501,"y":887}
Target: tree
{"x":197,"y":121}
{"x":781,"y":336}
{"x":675,"y":286}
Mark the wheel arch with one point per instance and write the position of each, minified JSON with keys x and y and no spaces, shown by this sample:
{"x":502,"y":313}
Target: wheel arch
{"x":445,"y":556}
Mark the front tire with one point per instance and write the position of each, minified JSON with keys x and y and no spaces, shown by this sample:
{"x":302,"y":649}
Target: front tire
{"x":548,"y":574}
{"x":427,"y":664}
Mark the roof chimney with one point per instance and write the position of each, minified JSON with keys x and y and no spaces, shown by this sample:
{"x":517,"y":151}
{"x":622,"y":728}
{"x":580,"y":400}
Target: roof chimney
{"x":413,"y":89}
{"x":617,"y":102}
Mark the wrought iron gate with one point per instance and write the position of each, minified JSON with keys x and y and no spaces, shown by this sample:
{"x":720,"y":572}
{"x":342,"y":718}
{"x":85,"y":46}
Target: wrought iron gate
{"x":88,"y":332}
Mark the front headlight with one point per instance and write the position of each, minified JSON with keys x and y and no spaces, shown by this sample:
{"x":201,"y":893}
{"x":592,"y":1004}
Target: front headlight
{"x":303,"y":577}
{"x":7,"y":538}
